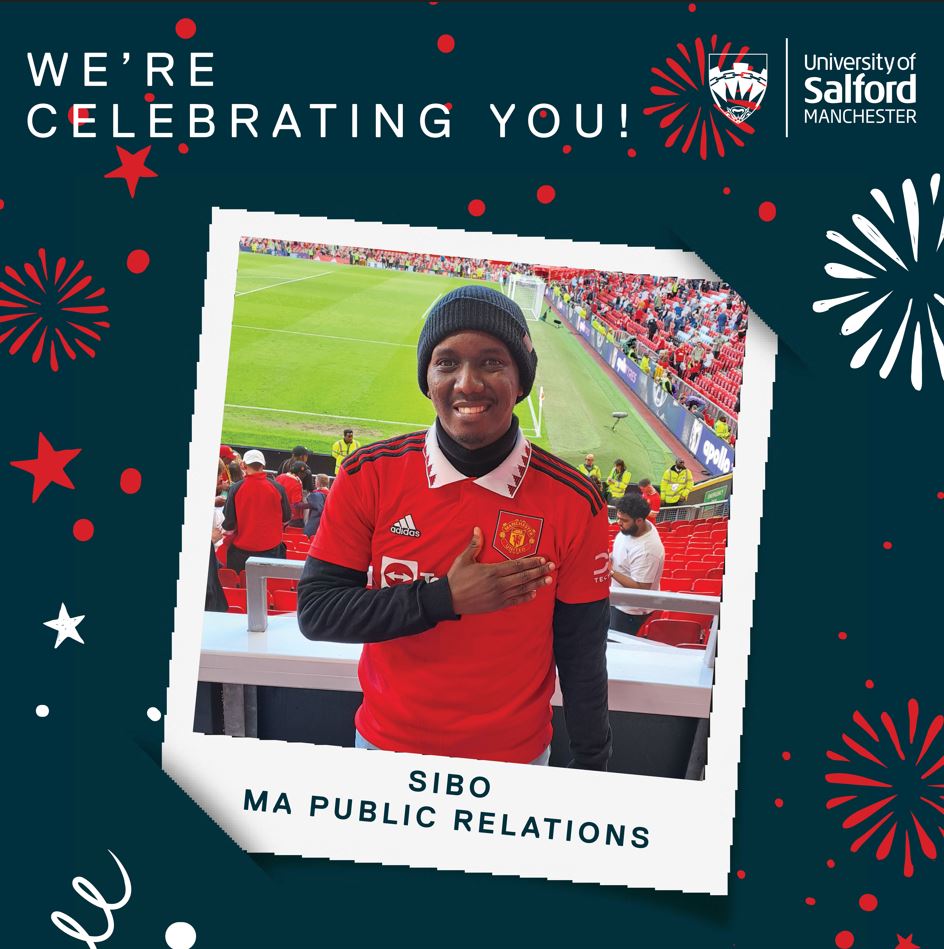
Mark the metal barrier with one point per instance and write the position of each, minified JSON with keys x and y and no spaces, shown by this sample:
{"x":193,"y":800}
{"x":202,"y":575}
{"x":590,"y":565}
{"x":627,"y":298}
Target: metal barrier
{"x":693,"y":512}
{"x":258,"y":569}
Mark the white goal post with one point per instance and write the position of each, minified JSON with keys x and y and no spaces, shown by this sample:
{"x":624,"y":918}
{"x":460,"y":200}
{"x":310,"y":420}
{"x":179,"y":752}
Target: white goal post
{"x":527,"y":292}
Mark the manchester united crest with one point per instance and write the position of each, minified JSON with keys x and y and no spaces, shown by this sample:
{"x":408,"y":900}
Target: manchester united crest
{"x":517,"y":535}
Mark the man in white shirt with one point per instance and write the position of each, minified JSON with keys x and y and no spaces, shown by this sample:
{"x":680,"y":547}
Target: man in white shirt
{"x":636,"y":561}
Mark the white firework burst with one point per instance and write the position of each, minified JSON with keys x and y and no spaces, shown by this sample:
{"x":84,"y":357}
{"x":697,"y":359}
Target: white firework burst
{"x":902,"y":300}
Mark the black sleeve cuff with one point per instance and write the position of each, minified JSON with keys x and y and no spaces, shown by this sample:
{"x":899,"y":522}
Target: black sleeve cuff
{"x":436,"y":601}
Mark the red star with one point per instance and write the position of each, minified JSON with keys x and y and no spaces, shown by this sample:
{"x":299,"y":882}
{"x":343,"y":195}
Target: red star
{"x":904,"y":942}
{"x":132,"y":167}
{"x":48,"y":467}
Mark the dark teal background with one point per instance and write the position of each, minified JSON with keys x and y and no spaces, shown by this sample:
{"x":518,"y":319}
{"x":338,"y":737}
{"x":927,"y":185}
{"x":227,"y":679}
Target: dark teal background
{"x":853,"y":460}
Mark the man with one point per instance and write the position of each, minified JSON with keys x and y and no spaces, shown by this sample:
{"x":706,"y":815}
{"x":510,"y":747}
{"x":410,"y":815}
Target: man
{"x":488,"y":560}
{"x":721,"y":428}
{"x":589,"y":469}
{"x":291,"y":481}
{"x":299,"y":454}
{"x":636,"y":561}
{"x":677,"y":482}
{"x":618,"y":480}
{"x":651,"y":496}
{"x":256,"y":510}
{"x":343,"y":447}
{"x":315,"y":504}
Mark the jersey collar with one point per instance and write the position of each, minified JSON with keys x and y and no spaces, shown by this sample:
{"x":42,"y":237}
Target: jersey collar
{"x":503,"y":480}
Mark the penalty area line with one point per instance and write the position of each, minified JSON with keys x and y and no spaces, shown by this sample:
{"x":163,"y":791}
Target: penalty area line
{"x":350,"y":418}
{"x":281,"y":283}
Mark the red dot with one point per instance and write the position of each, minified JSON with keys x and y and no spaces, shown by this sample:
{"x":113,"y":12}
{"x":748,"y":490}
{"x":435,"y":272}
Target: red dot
{"x":767,"y":211}
{"x":785,"y":755}
{"x":887,"y":545}
{"x":778,"y":802}
{"x":940,"y":495}
{"x":130,"y":481}
{"x":810,"y":901}
{"x":725,"y":190}
{"x":83,"y":529}
{"x":183,"y":148}
{"x":138,"y":261}
{"x":448,"y":106}
{"x":845,"y":940}
{"x":691,"y":8}
{"x":631,"y":152}
{"x":476,"y":207}
{"x":842,"y":634}
{"x":868,"y":902}
{"x":186,"y":28}
{"x":830,"y":863}
{"x":741,"y":874}
{"x":1,"y":204}
{"x":546,"y":194}
{"x":148,"y":96}
{"x":869,"y":684}
{"x":83,"y":115}
{"x":543,"y":113}
{"x":446,"y":43}
{"x":567,"y":149}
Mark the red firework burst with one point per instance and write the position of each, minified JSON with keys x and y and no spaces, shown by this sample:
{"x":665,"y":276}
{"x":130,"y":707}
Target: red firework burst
{"x":688,"y":104}
{"x":50,"y":311}
{"x":894,"y":790}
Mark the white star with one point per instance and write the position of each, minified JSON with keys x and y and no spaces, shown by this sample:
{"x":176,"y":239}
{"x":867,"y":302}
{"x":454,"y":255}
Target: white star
{"x":65,"y":627}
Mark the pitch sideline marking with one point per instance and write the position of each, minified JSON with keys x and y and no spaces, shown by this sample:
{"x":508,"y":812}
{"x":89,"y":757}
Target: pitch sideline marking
{"x":325,"y":273}
{"x":350,"y":418}
{"x":347,"y":339}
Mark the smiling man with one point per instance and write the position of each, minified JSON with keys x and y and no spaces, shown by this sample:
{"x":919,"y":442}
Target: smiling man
{"x":488,"y":559}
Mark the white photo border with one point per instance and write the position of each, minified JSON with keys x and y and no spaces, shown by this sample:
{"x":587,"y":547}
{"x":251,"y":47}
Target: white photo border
{"x":690,"y":823}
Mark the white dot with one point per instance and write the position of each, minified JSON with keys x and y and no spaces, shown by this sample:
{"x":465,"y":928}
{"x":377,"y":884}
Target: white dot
{"x":42,"y":710}
{"x":180,"y":936}
{"x":154,"y":714}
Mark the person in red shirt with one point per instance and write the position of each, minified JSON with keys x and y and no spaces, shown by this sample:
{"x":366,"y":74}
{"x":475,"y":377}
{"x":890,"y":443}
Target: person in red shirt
{"x":291,"y":481}
{"x":652,"y":496}
{"x":255,"y":511}
{"x":487,"y":559}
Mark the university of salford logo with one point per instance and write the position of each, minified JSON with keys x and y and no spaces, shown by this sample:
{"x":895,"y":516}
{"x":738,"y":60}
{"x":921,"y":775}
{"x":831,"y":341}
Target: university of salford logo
{"x":738,"y":87}
{"x":705,"y":92}
{"x":517,"y":535}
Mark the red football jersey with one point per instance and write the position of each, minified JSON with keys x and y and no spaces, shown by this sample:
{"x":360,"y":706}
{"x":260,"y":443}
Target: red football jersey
{"x":480,"y":686}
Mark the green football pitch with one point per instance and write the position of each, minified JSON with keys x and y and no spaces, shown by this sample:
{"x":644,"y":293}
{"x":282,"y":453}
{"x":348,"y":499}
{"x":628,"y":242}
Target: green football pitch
{"x":317,"y":347}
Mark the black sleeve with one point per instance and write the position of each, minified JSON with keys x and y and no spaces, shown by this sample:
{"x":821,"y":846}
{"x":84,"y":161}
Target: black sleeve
{"x":580,"y":653}
{"x":229,"y":509}
{"x":334,"y":604}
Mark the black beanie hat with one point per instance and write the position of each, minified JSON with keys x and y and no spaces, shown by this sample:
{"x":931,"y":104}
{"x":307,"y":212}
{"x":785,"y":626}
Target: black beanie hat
{"x":481,"y":309}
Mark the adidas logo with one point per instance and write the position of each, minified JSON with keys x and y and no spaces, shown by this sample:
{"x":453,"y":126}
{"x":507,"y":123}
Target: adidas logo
{"x":405,"y":527}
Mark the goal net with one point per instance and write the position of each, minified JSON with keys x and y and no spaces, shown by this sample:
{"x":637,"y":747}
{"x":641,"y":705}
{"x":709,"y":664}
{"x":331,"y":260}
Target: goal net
{"x":527,"y":292}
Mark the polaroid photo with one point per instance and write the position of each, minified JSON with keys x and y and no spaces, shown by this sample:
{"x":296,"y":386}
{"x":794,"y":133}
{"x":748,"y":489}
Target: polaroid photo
{"x":551,"y":427}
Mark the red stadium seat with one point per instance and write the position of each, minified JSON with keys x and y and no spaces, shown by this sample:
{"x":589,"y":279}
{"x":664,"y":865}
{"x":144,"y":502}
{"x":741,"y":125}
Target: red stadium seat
{"x":672,"y":632}
{"x":228,"y":578}
{"x":296,"y":555}
{"x":715,"y":573}
{"x":276,"y":584}
{"x":709,"y":587}
{"x":235,"y":599}
{"x":293,"y":530}
{"x":285,"y":601}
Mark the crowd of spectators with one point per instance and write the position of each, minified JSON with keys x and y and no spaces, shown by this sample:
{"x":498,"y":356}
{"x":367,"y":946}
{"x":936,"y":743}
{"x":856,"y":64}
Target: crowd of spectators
{"x":475,"y":268}
{"x":688,"y":330}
